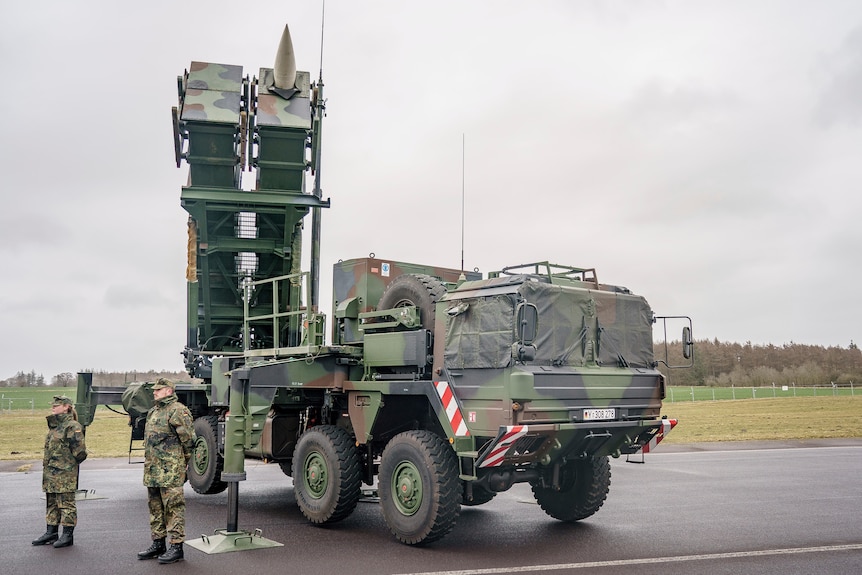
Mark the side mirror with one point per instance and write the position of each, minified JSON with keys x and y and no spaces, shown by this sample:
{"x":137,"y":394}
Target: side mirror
{"x":528,"y":323}
{"x":687,"y":343}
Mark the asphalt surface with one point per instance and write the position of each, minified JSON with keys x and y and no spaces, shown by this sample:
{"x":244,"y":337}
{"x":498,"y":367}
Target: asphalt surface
{"x":765,"y":507}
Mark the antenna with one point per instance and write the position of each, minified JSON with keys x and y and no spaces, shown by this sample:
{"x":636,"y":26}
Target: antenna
{"x":318,"y":111}
{"x":322,"y":17}
{"x":463,"y":146}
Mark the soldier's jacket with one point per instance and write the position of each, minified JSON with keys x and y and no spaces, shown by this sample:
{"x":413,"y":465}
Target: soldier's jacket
{"x":64,"y":450}
{"x":169,"y":437}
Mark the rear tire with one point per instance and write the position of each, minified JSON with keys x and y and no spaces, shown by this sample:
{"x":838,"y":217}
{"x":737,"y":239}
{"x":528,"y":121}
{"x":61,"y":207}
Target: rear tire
{"x":584,"y":486}
{"x":419,"y":489}
{"x":326,"y":474}
{"x":206,"y":464}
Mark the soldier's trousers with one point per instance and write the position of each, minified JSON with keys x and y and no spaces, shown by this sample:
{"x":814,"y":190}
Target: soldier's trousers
{"x":167,"y":513}
{"x":61,"y":509}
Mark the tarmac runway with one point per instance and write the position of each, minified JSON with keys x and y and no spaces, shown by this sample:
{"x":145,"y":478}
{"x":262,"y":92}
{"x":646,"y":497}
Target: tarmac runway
{"x":766,"y":507}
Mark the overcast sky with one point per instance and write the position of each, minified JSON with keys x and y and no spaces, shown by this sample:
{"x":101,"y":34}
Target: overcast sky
{"x":705,"y":154}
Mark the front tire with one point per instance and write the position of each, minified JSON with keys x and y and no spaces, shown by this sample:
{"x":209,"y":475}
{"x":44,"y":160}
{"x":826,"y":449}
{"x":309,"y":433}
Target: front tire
{"x":584,"y":486}
{"x":419,"y":489}
{"x":206,"y":464}
{"x":326,"y":474}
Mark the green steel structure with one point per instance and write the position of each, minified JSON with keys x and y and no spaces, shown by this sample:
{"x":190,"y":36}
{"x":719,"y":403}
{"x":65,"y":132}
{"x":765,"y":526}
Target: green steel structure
{"x":224,"y":124}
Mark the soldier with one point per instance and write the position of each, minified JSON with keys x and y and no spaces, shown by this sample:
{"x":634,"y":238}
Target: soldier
{"x":168,"y":441}
{"x":64,"y":451}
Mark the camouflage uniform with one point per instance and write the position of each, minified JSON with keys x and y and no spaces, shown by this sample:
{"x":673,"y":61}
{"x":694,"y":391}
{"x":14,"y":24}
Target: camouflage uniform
{"x":168,"y":441}
{"x":64,"y":451}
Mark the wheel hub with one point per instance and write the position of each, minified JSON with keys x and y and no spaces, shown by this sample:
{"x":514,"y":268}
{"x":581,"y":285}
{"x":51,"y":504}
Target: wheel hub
{"x":407,"y":486}
{"x":316,"y":477}
{"x":201,"y":457}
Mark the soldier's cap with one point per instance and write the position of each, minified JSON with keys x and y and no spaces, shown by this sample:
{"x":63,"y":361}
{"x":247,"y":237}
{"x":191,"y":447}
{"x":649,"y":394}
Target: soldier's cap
{"x":162,"y":382}
{"x":61,"y":400}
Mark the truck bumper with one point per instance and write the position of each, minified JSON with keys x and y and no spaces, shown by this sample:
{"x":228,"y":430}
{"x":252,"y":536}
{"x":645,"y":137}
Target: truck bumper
{"x":547,"y":443}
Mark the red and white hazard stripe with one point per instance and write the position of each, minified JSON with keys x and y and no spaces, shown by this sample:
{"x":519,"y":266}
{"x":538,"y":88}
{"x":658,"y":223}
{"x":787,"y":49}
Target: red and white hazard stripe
{"x":450,"y":404}
{"x":498,"y":452}
{"x":666,"y":426}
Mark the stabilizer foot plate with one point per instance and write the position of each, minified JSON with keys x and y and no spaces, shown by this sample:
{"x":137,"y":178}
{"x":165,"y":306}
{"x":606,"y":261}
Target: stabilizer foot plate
{"x":224,"y":541}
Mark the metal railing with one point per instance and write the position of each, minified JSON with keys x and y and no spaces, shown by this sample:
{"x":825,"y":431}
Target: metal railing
{"x":699,"y":393}
{"x":305,"y":322}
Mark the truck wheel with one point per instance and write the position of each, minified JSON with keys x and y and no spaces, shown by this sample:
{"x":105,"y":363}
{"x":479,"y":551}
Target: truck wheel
{"x":206,"y":464}
{"x":326,"y":474}
{"x":584,"y":487}
{"x":419,"y":487}
{"x":286,"y":467}
{"x":418,"y":290}
{"x":480,"y":496}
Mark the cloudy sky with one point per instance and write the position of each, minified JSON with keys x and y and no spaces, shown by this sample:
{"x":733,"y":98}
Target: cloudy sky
{"x":705,"y":154}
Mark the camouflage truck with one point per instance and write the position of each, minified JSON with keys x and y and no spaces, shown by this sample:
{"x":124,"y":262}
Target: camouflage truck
{"x":439,"y":387}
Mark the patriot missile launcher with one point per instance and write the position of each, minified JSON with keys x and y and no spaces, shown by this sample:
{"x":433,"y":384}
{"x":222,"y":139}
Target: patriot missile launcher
{"x":438,"y":387}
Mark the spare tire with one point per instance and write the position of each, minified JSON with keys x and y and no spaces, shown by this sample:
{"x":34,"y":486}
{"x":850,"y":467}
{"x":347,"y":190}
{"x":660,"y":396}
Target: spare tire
{"x":419,"y":290}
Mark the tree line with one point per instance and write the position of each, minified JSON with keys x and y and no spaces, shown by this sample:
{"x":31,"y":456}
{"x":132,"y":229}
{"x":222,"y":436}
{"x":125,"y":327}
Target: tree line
{"x":723,"y":364}
{"x":100,"y":377}
{"x":716,"y":363}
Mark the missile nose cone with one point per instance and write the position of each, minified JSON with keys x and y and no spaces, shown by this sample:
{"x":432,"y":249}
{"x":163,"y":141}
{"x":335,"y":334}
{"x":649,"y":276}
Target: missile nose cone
{"x":284,"y":71}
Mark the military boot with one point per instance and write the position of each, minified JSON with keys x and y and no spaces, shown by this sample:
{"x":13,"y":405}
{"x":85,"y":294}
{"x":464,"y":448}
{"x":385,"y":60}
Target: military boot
{"x":173,"y":554}
{"x":156,"y":549}
{"x":66,"y":538}
{"x":49,"y":536}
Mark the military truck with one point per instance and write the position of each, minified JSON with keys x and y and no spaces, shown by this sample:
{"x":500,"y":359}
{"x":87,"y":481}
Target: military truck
{"x":439,"y":386}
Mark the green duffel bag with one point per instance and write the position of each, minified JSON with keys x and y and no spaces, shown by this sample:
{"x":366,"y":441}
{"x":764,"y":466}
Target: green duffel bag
{"x":138,"y":399}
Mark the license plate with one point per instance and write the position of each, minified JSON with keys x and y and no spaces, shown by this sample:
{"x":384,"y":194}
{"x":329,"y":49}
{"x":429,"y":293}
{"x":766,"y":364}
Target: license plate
{"x":599,"y":414}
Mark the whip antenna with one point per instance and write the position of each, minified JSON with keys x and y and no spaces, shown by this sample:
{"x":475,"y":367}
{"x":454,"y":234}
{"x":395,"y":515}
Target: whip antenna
{"x":322,"y":17}
{"x":318,"y":111}
{"x":463,"y":146}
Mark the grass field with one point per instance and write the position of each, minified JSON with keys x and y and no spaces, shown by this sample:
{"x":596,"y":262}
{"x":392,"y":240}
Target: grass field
{"x":22,"y":435}
{"x":763,"y":419}
{"x":23,"y":428}
{"x":31,"y":398}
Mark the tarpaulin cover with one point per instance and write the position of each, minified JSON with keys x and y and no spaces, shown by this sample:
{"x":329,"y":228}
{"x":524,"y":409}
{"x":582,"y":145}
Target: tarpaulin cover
{"x":482,"y":336}
{"x":138,"y":399}
{"x":577,"y":326}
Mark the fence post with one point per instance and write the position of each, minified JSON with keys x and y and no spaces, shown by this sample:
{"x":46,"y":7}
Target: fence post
{"x":732,"y":391}
{"x":692,"y":393}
